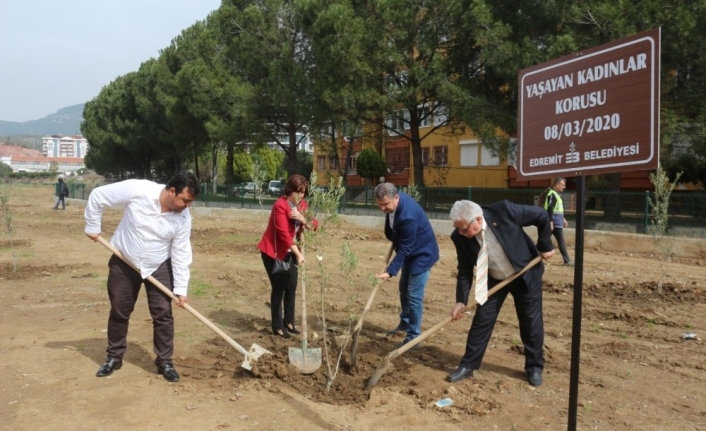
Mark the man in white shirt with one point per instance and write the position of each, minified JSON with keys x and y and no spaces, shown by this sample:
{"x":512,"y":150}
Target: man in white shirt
{"x":153,"y":235}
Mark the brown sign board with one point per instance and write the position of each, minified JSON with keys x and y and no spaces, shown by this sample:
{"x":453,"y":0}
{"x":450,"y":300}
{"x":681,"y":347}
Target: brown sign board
{"x":595,"y":111}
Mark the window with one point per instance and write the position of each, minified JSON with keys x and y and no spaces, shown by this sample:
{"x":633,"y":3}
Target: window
{"x":475,"y":154}
{"x":321,"y":163}
{"x":352,"y":170}
{"x":441,"y":115}
{"x":425,"y":156}
{"x":397,"y":159}
{"x":488,"y":159}
{"x":397,"y":122}
{"x":332,"y":163}
{"x":469,"y":153}
{"x":441,"y":155}
{"x":424,"y":116}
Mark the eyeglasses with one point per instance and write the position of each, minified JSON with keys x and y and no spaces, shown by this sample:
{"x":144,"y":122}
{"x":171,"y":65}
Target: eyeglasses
{"x":465,"y":228}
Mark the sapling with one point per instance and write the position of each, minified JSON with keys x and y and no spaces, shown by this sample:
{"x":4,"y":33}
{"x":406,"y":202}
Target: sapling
{"x":659,"y":209}
{"x":258,"y":177}
{"x":9,"y":227}
{"x":323,"y":205}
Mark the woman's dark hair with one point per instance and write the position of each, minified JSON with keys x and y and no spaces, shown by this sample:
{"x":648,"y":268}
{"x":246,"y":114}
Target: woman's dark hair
{"x":295,"y":183}
{"x":185,"y":180}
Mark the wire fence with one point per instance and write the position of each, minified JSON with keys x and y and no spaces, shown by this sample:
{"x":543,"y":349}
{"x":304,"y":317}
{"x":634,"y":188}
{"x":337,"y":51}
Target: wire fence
{"x":687,"y":209}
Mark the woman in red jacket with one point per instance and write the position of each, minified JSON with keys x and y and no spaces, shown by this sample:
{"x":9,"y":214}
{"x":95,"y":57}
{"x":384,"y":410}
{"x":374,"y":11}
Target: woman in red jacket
{"x":285,"y":225}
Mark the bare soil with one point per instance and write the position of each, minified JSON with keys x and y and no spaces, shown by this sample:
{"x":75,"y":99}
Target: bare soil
{"x":636,"y":371}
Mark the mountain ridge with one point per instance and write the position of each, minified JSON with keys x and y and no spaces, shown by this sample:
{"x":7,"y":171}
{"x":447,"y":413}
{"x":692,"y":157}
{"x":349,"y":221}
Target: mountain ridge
{"x":65,"y":121}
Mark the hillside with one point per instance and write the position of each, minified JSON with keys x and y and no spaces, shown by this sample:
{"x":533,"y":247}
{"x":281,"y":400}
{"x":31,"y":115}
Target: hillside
{"x":65,"y":121}
{"x":16,"y":150}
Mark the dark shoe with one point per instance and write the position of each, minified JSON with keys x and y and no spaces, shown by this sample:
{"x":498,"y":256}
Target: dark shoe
{"x":281,"y":333}
{"x":292,"y":330}
{"x":569,"y":263}
{"x":461,"y":373}
{"x":168,"y":371}
{"x":111,"y":364}
{"x":392,"y":332}
{"x":412,"y":349}
{"x":534,"y":379}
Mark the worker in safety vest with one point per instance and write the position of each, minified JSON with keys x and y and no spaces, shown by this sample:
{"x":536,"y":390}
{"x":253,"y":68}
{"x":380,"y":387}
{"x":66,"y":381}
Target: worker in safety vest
{"x":555,"y":207}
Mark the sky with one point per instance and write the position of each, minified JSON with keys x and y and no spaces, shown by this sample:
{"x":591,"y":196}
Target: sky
{"x":58,"y":53}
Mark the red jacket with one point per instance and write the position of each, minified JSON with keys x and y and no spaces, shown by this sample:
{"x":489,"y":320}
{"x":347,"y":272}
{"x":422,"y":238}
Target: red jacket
{"x":280,"y":223}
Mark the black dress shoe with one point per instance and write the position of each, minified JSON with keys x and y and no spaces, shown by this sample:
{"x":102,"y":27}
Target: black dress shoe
{"x":281,"y":332}
{"x":392,"y":332}
{"x":111,"y":364}
{"x":461,"y":373}
{"x":292,"y":330}
{"x":168,"y":371}
{"x":534,"y":379}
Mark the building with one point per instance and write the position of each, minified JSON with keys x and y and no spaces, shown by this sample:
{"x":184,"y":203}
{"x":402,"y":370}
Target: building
{"x":64,"y":146}
{"x":65,"y":165}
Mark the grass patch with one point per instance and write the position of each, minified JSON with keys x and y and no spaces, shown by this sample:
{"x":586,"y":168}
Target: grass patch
{"x":199,"y":288}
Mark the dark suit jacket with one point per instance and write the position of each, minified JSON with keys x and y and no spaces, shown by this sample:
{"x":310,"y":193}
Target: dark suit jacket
{"x":506,"y":220}
{"x":412,"y":237}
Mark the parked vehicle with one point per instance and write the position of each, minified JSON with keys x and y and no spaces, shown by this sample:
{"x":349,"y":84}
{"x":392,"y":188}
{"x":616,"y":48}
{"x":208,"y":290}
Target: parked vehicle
{"x":245,"y":188}
{"x":274,"y":188}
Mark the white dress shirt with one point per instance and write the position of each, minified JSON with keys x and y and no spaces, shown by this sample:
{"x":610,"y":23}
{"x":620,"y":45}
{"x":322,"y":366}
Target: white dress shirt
{"x":146,"y":236}
{"x":499,"y":265}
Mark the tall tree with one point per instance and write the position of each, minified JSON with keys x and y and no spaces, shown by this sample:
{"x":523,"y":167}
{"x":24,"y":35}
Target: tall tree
{"x":269,"y":50}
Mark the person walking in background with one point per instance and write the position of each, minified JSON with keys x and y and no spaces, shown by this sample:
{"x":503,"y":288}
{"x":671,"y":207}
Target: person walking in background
{"x":287,"y":219}
{"x":492,"y":240}
{"x":408,"y":227}
{"x":555,"y":207}
{"x":153,"y":235}
{"x":63,"y":192}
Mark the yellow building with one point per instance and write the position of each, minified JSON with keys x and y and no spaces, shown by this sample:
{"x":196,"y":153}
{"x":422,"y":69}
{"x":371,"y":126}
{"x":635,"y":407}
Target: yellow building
{"x":452,"y":157}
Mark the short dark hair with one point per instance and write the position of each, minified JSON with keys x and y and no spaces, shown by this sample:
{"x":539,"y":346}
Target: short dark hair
{"x":61,"y":180}
{"x":185,"y":180}
{"x":294,"y":184}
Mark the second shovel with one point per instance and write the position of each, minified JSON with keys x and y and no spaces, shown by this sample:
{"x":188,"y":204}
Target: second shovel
{"x":305,"y":359}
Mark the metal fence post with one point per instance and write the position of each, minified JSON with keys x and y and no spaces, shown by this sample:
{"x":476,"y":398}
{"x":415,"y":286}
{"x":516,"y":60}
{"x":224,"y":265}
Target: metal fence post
{"x":469,"y":194}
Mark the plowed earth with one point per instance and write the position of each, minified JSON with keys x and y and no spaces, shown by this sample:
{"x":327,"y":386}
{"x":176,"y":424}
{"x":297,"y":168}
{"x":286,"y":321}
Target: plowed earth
{"x":636,"y":371}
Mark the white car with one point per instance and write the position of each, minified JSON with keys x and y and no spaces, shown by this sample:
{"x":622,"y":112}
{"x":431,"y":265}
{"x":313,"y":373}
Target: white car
{"x":246,"y":188}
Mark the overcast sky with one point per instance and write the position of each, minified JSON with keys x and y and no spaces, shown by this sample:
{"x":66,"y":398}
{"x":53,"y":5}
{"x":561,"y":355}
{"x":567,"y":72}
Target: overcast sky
{"x":57,"y":53}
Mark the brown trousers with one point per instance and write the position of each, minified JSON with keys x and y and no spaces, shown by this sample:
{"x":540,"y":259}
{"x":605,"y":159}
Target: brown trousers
{"x":123,"y":288}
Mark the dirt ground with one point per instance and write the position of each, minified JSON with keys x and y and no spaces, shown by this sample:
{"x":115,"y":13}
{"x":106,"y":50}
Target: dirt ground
{"x":636,"y":372}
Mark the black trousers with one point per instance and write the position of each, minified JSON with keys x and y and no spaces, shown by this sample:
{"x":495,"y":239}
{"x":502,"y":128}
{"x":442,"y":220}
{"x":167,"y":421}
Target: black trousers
{"x":284,"y":290}
{"x":123,"y":289}
{"x":528,"y":305}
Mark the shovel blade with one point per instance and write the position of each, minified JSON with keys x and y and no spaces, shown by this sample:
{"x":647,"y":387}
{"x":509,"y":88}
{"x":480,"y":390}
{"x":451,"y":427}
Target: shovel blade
{"x":255,"y":352}
{"x":306,"y":360}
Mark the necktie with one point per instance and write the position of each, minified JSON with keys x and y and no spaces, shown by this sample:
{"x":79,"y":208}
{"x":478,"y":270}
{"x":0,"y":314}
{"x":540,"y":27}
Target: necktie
{"x":482,"y":272}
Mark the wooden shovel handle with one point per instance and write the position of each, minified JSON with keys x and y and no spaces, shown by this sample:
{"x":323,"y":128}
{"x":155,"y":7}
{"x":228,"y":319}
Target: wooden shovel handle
{"x":468,"y":307}
{"x":372,"y":294}
{"x":187,"y":307}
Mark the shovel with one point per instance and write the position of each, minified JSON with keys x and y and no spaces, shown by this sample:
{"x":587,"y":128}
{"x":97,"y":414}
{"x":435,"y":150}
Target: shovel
{"x":359,"y":326}
{"x":307,"y":360}
{"x":386,"y":362}
{"x":250,"y":356}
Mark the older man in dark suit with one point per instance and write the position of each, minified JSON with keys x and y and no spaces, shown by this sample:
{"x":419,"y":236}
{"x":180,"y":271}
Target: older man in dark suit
{"x":408,"y":227}
{"x":498,"y":228}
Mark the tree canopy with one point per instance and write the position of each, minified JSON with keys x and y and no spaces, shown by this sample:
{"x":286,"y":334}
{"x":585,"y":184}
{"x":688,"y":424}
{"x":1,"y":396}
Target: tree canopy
{"x":270,"y":71}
